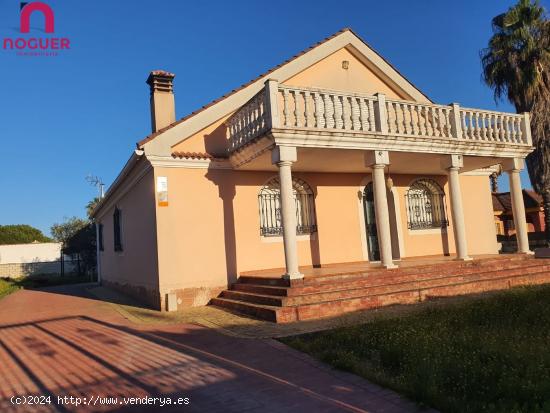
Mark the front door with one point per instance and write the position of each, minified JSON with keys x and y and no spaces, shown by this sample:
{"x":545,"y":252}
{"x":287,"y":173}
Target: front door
{"x":370,"y":223}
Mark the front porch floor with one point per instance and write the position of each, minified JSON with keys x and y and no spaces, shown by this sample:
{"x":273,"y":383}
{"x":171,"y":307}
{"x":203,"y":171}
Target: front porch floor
{"x":366,"y":266}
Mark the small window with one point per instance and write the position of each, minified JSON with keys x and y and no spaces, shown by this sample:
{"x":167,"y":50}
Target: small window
{"x":270,"y":208}
{"x":426,"y":205}
{"x":117,"y":231}
{"x":100,"y":236}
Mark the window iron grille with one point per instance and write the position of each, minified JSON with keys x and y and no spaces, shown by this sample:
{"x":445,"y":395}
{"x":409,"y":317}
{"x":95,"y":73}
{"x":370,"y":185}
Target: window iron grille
{"x":426,"y":206}
{"x":271,"y":224}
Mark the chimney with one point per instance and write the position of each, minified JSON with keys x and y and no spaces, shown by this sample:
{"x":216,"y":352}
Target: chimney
{"x":163,"y":108}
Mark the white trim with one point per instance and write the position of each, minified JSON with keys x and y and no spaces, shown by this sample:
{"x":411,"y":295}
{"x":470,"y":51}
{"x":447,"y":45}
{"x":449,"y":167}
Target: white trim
{"x":482,"y":171}
{"x":321,"y":138}
{"x":279,"y":238}
{"x":162,"y":143}
{"x":430,"y":231}
{"x":123,"y":174}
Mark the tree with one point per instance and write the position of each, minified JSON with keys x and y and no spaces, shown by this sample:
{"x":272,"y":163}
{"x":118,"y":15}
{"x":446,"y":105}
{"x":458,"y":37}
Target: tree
{"x":82,"y":244}
{"x":21,"y":234}
{"x":90,"y":206}
{"x":62,"y":232}
{"x":516,"y":65}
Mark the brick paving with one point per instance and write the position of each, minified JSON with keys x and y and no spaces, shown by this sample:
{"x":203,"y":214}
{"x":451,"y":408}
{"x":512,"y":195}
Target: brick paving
{"x":63,"y":341}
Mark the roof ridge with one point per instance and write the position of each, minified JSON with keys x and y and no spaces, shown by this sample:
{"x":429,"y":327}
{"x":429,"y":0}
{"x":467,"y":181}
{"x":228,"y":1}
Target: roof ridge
{"x":266,"y":73}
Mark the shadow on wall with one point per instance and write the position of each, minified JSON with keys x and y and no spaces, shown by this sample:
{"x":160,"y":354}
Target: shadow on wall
{"x":314,"y":238}
{"x":226,"y":191}
{"x":215,"y":143}
{"x":445,"y":241}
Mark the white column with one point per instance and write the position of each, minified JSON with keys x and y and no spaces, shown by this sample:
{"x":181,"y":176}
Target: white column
{"x":378,"y":160}
{"x":514,"y":167}
{"x":283,"y":157}
{"x":453,"y":165}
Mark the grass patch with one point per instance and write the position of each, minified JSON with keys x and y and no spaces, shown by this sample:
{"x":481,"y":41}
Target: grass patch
{"x":7,"y":286}
{"x":10,"y":285}
{"x":486,"y":354}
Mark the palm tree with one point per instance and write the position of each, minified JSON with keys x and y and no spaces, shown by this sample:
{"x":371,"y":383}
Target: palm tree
{"x":90,"y":206}
{"x":516,"y":65}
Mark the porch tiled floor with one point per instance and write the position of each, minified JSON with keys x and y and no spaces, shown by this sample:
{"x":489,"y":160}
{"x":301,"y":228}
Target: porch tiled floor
{"x":350,"y":268}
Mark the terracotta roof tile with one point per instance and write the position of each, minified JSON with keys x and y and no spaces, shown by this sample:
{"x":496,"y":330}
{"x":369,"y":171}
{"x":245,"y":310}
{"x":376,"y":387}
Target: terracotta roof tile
{"x":195,"y":155}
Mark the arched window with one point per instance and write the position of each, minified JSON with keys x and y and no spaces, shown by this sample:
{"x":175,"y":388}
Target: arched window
{"x":426,"y":205}
{"x":269,"y":200}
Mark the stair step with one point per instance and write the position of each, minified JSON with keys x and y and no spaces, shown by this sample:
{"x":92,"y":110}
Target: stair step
{"x":274,"y":282}
{"x":260,"y":311}
{"x":359,"y":291}
{"x":337,"y":307}
{"x":344,"y":275}
{"x":421,"y":269}
{"x":263,"y":299}
{"x":373,"y":280}
{"x":282,"y":301}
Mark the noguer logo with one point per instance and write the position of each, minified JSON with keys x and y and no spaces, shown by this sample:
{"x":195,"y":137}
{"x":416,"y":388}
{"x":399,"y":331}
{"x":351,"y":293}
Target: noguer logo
{"x":36,"y":46}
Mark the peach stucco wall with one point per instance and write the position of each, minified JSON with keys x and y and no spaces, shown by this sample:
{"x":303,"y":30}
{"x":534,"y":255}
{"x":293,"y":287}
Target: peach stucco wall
{"x":133,"y":270}
{"x":478,"y":212}
{"x":209,"y":233}
{"x":329,"y":74}
{"x":326,"y":74}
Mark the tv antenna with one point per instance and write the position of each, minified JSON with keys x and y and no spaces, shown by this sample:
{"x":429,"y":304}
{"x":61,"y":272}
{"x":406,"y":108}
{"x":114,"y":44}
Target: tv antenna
{"x":98,"y":183}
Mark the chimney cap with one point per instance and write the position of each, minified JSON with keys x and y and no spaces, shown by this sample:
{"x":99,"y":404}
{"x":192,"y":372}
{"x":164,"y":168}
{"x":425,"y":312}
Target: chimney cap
{"x":160,"y":74}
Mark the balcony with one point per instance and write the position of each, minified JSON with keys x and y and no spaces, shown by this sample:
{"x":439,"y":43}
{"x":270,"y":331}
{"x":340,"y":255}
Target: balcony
{"x":308,"y":117}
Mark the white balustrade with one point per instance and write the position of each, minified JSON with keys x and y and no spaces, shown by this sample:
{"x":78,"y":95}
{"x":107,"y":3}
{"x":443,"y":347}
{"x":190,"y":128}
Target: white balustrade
{"x":312,"y":109}
{"x":482,"y":125}
{"x":249,"y":122}
{"x":331,"y":110}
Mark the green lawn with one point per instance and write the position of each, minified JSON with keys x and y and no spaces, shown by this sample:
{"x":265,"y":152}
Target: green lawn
{"x":488,"y":354}
{"x":10,"y":285}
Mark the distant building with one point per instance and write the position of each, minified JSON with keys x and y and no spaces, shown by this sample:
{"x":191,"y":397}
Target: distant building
{"x":504,"y":220}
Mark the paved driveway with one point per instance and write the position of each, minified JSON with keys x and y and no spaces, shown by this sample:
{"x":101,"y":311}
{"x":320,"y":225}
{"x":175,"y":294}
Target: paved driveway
{"x":61,"y":342}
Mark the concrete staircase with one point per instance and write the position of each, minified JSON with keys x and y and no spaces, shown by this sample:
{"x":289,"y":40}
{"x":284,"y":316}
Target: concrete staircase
{"x":284,"y":301}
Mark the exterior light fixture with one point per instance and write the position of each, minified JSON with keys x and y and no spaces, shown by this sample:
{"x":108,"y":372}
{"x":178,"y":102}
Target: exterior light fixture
{"x":345,"y":64}
{"x":389,"y":181}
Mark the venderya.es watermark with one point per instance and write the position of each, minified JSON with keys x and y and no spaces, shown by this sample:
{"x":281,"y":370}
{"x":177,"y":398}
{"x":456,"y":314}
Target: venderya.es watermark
{"x":28,"y":44}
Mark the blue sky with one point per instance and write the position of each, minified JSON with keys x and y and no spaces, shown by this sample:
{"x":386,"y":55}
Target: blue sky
{"x":81,"y":112}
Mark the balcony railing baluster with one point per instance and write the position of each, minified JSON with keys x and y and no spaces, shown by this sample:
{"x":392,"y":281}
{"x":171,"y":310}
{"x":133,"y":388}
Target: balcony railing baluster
{"x":317,"y":109}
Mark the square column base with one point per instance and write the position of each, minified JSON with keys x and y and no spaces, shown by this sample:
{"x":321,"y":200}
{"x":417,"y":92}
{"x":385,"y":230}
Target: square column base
{"x":527,"y":252}
{"x":389,"y":266}
{"x":463,"y":259}
{"x":296,"y":276}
